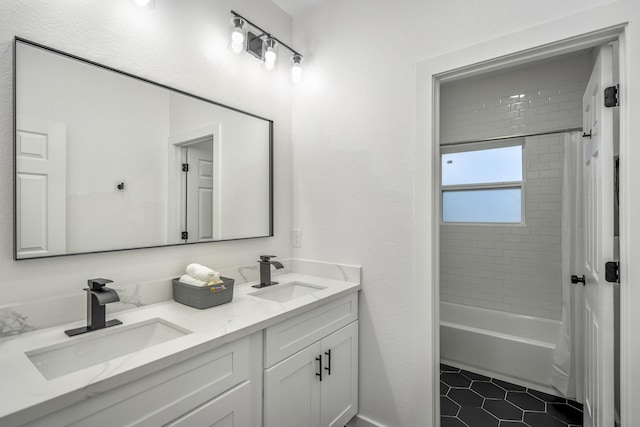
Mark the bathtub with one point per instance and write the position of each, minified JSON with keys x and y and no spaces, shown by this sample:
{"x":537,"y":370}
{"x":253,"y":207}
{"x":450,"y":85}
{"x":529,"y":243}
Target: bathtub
{"x":507,"y":346}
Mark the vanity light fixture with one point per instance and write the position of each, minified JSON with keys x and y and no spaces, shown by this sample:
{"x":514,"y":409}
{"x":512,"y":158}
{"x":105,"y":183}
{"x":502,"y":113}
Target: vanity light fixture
{"x":148,"y":4}
{"x":262,"y":45}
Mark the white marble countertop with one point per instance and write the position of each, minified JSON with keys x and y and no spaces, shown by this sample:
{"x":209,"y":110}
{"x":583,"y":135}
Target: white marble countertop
{"x":26,"y":395}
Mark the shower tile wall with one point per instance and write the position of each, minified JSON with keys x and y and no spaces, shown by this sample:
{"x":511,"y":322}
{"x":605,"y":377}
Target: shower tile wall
{"x":530,"y":100}
{"x":514,"y":268}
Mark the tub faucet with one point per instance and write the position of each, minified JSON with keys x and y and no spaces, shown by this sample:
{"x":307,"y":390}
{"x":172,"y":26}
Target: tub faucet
{"x":98,"y":296}
{"x":265,"y":270}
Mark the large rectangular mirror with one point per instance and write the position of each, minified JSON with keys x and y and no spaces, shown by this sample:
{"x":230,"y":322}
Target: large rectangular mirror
{"x":108,"y":161}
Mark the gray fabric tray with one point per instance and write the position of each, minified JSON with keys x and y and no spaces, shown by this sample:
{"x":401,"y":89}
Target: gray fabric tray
{"x":203,"y":296}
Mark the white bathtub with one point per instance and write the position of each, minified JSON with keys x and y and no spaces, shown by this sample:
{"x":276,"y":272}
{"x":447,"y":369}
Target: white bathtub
{"x":503,"y":345}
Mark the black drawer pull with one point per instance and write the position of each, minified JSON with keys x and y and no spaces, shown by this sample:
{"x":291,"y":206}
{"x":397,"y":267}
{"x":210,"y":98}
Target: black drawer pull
{"x":319,"y":373}
{"x":328,"y":367}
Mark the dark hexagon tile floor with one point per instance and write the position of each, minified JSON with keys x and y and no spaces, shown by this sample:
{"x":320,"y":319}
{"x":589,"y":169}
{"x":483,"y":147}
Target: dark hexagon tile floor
{"x":468,"y":399}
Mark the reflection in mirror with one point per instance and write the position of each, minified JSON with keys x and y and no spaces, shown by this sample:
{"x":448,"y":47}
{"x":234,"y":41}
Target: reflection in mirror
{"x":107,"y":161}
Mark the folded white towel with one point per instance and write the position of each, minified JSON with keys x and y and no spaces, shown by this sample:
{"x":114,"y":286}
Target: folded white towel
{"x":185,"y":278}
{"x":203,"y":273}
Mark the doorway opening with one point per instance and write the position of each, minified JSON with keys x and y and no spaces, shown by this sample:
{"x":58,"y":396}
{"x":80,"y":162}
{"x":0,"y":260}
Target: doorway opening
{"x":462,"y":248}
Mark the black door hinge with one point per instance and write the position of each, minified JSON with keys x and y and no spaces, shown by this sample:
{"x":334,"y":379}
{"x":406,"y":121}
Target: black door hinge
{"x":185,"y":167}
{"x":184,"y":235}
{"x":611,"y":96}
{"x":612,"y":272}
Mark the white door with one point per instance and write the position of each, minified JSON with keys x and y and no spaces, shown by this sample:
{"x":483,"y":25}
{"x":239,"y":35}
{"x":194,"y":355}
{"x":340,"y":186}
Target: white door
{"x":200,"y":192}
{"x":339,"y":388}
{"x":598,"y":211}
{"x":292,"y":390}
{"x":40,"y":188}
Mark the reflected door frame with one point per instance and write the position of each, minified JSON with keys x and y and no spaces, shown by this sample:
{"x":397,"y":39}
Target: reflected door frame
{"x":176,"y":179}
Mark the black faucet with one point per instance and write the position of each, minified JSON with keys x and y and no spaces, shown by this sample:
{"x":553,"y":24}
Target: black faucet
{"x":98,"y":296}
{"x":265,"y":270}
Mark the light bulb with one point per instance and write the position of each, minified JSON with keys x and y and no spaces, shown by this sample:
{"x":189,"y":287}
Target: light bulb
{"x":296,"y":73}
{"x":270,"y":55}
{"x":296,"y":68}
{"x":237,"y":36}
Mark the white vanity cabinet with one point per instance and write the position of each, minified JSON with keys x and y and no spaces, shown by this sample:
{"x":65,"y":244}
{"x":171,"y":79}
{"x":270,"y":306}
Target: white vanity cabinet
{"x":311,"y":367}
{"x":221,"y":387}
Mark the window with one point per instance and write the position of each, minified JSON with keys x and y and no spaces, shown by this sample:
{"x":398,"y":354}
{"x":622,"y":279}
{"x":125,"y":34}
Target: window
{"x":482,"y":183}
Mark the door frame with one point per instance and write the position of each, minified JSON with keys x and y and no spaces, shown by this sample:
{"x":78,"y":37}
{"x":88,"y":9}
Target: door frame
{"x":594,"y":27}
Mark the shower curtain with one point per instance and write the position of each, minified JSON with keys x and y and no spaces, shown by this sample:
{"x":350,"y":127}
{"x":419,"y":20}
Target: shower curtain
{"x":566,"y":375}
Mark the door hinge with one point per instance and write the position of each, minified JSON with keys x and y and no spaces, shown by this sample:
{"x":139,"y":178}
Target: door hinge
{"x":185,"y":167}
{"x":612,"y":272}
{"x":611,"y":96}
{"x":184,"y":235}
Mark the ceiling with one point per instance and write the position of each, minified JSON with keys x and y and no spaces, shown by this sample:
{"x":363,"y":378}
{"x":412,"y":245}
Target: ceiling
{"x":293,"y":7}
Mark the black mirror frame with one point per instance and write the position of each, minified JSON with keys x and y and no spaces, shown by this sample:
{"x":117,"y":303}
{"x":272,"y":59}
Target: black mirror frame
{"x":142,"y":79}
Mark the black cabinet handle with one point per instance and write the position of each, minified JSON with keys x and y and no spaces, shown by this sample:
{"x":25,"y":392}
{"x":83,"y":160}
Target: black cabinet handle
{"x":319,"y":373}
{"x":328,"y":367}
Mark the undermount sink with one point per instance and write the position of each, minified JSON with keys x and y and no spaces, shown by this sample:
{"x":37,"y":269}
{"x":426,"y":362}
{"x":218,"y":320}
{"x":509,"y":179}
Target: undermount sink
{"x":101,"y":346}
{"x":287,"y":291}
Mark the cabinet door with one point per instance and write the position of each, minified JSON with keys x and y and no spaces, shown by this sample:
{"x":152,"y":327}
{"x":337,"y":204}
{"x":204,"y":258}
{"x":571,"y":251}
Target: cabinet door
{"x":292,"y":335}
{"x":226,"y":410}
{"x":339,"y":388}
{"x":292,"y":391}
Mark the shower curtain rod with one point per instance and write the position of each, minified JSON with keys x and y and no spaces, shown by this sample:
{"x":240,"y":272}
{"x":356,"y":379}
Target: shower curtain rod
{"x":524,"y":135}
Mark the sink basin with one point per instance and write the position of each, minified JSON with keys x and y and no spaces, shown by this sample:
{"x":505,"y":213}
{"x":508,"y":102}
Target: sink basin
{"x":96,"y":347}
{"x":287,"y":291}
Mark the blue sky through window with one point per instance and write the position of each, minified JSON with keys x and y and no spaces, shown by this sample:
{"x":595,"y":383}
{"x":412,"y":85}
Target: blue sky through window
{"x":482,"y":166}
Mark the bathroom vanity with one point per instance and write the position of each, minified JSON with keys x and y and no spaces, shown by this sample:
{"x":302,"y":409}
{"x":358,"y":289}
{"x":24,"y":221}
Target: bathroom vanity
{"x":286,"y":355}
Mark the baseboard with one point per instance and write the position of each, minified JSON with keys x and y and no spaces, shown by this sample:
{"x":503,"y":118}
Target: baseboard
{"x":362,"y":421}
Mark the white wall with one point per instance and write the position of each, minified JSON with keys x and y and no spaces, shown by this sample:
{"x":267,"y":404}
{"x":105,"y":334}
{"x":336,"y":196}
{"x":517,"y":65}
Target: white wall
{"x":180,"y":44}
{"x":353,"y":132}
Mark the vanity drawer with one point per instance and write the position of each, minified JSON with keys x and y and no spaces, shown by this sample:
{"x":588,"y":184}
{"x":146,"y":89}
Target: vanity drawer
{"x":164,"y":396}
{"x":292,"y":335}
{"x":228,"y":410}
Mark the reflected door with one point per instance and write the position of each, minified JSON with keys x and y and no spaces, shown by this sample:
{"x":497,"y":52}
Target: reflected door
{"x":200,"y":192}
{"x":40,"y":188}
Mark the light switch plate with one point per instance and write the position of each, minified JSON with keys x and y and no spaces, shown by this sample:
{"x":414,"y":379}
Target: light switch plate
{"x":297,"y":238}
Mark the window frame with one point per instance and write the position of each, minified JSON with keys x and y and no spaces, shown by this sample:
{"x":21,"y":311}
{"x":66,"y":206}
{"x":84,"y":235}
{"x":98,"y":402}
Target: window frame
{"x":478,"y":146}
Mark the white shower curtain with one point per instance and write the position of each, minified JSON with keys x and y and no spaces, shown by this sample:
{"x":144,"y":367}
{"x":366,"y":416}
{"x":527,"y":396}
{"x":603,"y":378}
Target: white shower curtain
{"x":566,"y":375}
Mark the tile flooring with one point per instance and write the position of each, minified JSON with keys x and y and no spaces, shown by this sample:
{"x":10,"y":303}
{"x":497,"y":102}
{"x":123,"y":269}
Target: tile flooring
{"x":468,"y":399}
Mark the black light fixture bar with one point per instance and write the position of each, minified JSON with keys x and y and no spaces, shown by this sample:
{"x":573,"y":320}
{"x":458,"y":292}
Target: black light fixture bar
{"x":266,"y":33}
